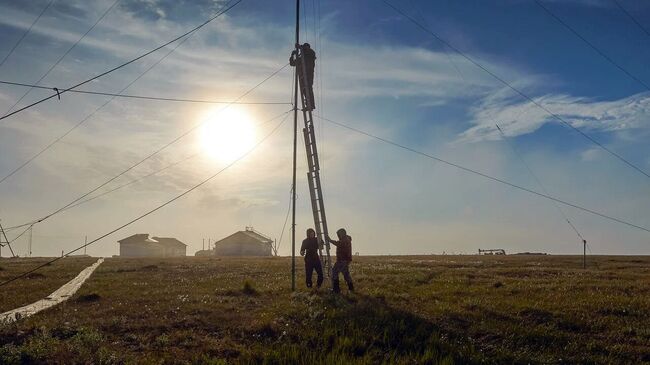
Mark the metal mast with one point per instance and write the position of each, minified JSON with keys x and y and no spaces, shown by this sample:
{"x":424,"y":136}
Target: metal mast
{"x":313,"y":175}
{"x":295,"y":151}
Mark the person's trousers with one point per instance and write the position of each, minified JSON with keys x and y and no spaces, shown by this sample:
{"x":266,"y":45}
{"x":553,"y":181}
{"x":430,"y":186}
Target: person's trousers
{"x":310,"y":266}
{"x":342,"y":267}
{"x":309,"y":85}
{"x":310,"y":82}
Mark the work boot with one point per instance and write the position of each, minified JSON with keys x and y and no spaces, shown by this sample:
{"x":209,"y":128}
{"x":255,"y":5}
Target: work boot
{"x":335,"y":287}
{"x":350,"y":286}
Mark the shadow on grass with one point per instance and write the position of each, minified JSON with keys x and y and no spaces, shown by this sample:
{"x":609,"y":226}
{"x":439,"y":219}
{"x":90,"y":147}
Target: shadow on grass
{"x":357,"y":329}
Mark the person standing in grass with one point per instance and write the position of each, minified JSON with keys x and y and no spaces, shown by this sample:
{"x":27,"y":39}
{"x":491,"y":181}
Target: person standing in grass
{"x":343,"y":260}
{"x":309,"y":249}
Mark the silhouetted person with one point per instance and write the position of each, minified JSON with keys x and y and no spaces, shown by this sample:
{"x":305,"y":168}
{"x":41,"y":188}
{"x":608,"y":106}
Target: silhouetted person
{"x":309,"y":249}
{"x":309,"y":56}
{"x":343,"y":259}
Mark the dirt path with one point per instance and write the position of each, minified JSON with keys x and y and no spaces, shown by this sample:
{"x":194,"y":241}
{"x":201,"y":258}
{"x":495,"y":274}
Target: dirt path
{"x":60,"y":295}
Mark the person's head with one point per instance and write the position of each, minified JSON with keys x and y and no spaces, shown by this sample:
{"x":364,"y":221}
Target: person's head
{"x":341,"y":233}
{"x":311,"y":233}
{"x":306,"y":45}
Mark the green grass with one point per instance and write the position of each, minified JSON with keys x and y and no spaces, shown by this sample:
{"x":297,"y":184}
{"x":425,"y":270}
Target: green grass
{"x":406,"y":310}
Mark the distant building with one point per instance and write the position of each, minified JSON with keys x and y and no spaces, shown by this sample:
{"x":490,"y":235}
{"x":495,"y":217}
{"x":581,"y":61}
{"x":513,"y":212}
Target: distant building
{"x":204,"y":253}
{"x":140,"y":245}
{"x":244,"y":243}
{"x":492,"y":251}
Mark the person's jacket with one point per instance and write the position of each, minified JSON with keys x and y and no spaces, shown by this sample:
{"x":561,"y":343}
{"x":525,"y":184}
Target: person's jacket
{"x":310,"y":57}
{"x":310,"y":249}
{"x":308,"y":54}
{"x":343,"y":249}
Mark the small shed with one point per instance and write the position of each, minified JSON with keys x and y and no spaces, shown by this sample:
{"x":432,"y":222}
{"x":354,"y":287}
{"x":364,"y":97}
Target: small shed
{"x":204,"y":253}
{"x":140,"y":245}
{"x":244,"y":243}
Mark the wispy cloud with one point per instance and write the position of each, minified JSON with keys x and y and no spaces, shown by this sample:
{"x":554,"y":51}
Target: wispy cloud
{"x":517,"y":117}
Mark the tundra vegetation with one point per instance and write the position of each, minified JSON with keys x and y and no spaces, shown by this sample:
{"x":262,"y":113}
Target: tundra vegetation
{"x":407,"y":309}
{"x":39,"y":284}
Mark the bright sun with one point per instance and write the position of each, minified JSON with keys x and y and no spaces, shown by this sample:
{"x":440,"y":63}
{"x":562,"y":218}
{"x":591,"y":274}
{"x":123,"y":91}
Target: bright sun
{"x":227,"y":135}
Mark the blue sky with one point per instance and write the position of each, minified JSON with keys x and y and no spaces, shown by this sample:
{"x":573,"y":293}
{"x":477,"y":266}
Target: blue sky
{"x":376,"y":71}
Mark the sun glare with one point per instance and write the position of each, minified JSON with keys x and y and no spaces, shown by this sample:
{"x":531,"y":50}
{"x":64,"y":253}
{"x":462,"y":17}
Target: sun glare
{"x":227,"y":135}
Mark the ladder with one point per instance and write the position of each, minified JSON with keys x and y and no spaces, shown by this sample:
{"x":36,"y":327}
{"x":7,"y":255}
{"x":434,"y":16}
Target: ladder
{"x":313,"y":175}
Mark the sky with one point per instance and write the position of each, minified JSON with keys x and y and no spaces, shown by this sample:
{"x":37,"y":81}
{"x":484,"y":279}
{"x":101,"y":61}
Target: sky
{"x":376,"y":71}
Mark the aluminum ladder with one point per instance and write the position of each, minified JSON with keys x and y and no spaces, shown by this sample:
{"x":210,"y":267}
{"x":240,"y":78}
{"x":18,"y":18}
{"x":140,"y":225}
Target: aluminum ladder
{"x":313,"y":175}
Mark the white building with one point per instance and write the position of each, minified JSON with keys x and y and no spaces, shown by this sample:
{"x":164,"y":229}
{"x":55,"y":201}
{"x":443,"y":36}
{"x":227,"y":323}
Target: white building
{"x":140,"y":245}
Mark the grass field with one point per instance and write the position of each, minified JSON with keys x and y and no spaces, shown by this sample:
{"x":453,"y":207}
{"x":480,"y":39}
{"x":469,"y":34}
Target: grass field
{"x":39,"y":284}
{"x":410,"y":310}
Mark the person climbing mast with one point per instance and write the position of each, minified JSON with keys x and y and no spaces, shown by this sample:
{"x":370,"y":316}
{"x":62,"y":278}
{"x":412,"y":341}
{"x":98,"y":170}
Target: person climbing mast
{"x":305,"y":55}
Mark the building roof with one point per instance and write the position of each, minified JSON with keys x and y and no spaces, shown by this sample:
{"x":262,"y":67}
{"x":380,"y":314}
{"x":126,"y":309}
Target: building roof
{"x":143,"y":238}
{"x":250,"y":233}
{"x":169,"y":241}
{"x":137,"y":238}
{"x":257,"y":236}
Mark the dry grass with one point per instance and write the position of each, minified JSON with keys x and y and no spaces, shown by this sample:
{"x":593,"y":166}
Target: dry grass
{"x":426,"y":309}
{"x":39,"y":284}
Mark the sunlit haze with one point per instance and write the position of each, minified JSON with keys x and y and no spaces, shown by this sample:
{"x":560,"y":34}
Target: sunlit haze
{"x":226,"y":134}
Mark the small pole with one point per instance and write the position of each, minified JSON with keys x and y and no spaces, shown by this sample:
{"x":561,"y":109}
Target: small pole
{"x":584,"y":254}
{"x":85,"y":243}
{"x":2,"y":234}
{"x":31,"y":233}
{"x":203,"y":244}
{"x":6,"y":241}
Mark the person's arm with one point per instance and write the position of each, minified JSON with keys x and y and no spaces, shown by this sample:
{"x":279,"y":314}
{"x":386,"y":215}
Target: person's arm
{"x":292,"y":58}
{"x":302,"y":249}
{"x":335,"y":243}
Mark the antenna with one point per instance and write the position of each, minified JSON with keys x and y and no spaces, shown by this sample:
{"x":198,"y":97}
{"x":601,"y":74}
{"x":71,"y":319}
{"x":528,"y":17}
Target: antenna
{"x":5,"y":242}
{"x":295,"y":156}
{"x":304,"y":79}
{"x":29,"y":245}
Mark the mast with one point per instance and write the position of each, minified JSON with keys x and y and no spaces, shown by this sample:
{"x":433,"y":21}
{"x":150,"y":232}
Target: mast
{"x":295,"y":151}
{"x":304,"y":82}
